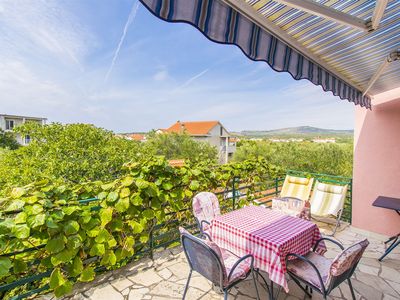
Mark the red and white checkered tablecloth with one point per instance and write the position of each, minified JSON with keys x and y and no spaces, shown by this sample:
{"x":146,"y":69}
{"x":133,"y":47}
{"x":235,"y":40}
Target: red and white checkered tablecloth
{"x":266,"y":234}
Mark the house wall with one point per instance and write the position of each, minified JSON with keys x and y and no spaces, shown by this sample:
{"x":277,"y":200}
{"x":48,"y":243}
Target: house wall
{"x":18,"y":121}
{"x":376,"y":169}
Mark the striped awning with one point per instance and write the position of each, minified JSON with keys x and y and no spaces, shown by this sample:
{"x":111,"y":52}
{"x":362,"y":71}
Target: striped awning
{"x":338,"y":57}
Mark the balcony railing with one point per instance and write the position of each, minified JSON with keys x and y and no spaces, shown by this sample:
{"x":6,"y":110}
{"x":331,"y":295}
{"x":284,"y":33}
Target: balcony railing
{"x":166,"y":234}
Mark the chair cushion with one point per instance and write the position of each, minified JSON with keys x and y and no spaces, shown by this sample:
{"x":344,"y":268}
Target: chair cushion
{"x":240,"y":271}
{"x":330,"y":188}
{"x":348,"y":258}
{"x":306,"y":271}
{"x":206,"y":207}
{"x":298,"y":180}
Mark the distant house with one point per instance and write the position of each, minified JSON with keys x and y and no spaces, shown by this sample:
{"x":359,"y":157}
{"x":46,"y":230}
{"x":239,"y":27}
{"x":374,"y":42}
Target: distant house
{"x":327,"y":140}
{"x":137,"y":137}
{"x":212,"y":132}
{"x":9,"y":122}
{"x":133,"y":136}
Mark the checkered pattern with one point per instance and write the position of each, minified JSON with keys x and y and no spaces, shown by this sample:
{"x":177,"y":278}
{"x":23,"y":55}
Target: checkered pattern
{"x":266,"y":234}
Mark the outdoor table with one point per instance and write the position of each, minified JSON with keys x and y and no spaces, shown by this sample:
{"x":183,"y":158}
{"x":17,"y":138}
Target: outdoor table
{"x":394,"y":204}
{"x":266,"y":234}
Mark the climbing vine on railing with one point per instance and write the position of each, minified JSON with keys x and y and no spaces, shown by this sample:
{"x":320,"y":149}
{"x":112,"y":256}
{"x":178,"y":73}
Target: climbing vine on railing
{"x":44,"y":229}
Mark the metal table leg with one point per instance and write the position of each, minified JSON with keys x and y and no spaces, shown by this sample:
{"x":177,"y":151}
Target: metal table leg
{"x":394,"y":244}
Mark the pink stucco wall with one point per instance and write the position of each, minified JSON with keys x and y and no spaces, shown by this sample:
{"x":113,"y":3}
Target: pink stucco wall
{"x":376,"y":165}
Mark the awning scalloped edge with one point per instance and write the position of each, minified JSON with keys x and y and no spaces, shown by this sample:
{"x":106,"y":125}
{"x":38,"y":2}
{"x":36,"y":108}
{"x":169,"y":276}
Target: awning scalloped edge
{"x":222,"y":24}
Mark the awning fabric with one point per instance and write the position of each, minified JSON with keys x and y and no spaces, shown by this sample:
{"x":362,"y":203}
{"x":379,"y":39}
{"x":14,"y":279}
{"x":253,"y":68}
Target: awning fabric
{"x":222,"y":24}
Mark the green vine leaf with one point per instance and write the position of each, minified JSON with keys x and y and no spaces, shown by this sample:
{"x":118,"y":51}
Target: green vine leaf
{"x":5,"y":265}
{"x":55,"y":245}
{"x":97,"y":249}
{"x":56,"y":278}
{"x":20,"y":218}
{"x":127,"y":181}
{"x":122,"y":205}
{"x":112,"y":196}
{"x":106,"y":216}
{"x":71,"y":227}
{"x":87,"y":275}
{"x":21,"y":231}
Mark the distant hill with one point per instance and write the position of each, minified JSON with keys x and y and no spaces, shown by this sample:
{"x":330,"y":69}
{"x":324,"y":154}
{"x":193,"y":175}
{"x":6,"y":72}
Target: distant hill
{"x":303,"y":131}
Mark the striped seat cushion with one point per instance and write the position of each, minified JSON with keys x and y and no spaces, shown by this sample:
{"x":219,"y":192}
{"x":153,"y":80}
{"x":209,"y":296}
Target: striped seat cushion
{"x":297,"y":187}
{"x":327,"y":199}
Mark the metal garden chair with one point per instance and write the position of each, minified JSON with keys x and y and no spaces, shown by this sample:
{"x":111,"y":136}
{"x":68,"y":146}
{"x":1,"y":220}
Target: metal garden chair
{"x":205,"y":208}
{"x":321,"y":274}
{"x":221,"y":267}
{"x":327,"y":201}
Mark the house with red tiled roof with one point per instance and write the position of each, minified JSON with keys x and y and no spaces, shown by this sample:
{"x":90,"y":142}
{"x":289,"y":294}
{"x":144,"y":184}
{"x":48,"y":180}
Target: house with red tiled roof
{"x":212,"y":132}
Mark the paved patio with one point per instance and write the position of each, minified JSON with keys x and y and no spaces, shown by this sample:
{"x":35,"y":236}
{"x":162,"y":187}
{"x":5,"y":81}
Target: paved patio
{"x":165,"y":277}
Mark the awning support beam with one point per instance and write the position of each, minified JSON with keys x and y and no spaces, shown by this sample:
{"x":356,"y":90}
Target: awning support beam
{"x":378,"y":13}
{"x":247,"y":11}
{"x":327,"y":12}
{"x":389,"y":59}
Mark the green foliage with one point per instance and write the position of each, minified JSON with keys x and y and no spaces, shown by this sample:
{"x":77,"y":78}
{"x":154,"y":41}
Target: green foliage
{"x":179,"y":146}
{"x":73,"y":153}
{"x":78,"y":238}
{"x":334,"y":159}
{"x":8,"y":141}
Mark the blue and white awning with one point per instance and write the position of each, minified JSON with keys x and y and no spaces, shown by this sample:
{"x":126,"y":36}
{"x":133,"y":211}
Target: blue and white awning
{"x":247,"y":24}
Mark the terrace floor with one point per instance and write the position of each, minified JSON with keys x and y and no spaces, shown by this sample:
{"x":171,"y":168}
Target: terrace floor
{"x":165,"y":277}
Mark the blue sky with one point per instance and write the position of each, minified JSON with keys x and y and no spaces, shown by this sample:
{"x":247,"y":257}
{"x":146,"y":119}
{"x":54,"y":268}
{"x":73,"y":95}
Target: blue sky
{"x":56,"y":61}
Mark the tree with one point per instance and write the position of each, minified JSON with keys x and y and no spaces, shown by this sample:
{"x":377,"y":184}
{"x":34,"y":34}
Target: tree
{"x":7,"y":140}
{"x":74,"y":153}
{"x":179,"y":146}
{"x":333,"y":159}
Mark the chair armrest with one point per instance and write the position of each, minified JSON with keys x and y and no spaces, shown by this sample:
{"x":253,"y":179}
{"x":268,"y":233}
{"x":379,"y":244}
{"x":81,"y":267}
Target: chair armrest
{"x":327,"y":239}
{"x":239,"y":262}
{"x":302,"y":258}
{"x":201,"y":225}
{"x":206,"y":235}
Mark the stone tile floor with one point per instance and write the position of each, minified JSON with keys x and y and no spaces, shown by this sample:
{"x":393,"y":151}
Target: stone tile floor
{"x":165,"y":277}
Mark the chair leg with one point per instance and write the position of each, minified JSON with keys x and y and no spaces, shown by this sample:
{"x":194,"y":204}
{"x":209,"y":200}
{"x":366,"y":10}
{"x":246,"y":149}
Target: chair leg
{"x":255,"y":283}
{"x":305,"y":290}
{"x":187,"y":285}
{"x":351,"y":289}
{"x":265,"y":281}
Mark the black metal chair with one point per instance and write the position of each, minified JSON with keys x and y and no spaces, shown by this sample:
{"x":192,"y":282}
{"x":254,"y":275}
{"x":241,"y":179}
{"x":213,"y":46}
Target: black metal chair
{"x":322,"y":274}
{"x":218,"y":265}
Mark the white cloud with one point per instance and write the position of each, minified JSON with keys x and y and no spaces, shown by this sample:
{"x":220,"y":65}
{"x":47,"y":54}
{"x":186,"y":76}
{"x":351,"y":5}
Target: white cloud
{"x":161,"y":75}
{"x":42,"y":29}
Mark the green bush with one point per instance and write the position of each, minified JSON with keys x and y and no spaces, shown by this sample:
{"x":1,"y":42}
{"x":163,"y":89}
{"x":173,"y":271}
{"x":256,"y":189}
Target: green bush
{"x":8,"y":141}
{"x":74,"y":153}
{"x":179,"y":146}
{"x":333,"y":159}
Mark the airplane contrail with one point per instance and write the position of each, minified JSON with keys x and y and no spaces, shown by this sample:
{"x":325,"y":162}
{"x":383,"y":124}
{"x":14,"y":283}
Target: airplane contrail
{"x":190,"y":80}
{"x":131,"y":18}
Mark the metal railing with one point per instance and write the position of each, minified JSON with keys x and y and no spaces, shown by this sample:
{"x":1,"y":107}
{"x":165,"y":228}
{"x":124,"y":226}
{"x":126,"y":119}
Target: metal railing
{"x":166,"y":234}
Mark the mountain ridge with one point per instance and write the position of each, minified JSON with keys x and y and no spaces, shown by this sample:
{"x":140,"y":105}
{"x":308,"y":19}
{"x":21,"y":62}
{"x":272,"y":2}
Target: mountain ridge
{"x":299,"y":130}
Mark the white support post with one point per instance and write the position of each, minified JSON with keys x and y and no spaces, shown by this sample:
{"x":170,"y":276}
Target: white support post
{"x":226,"y":149}
{"x":378,"y":13}
{"x":389,"y":59}
{"x":326,"y":12}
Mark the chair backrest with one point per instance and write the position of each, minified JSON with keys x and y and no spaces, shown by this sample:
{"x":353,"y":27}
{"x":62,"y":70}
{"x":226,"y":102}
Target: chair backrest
{"x":297,"y":187}
{"x":344,"y":264}
{"x":204,"y":257}
{"x":327,"y":199}
{"x":205,"y":207}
